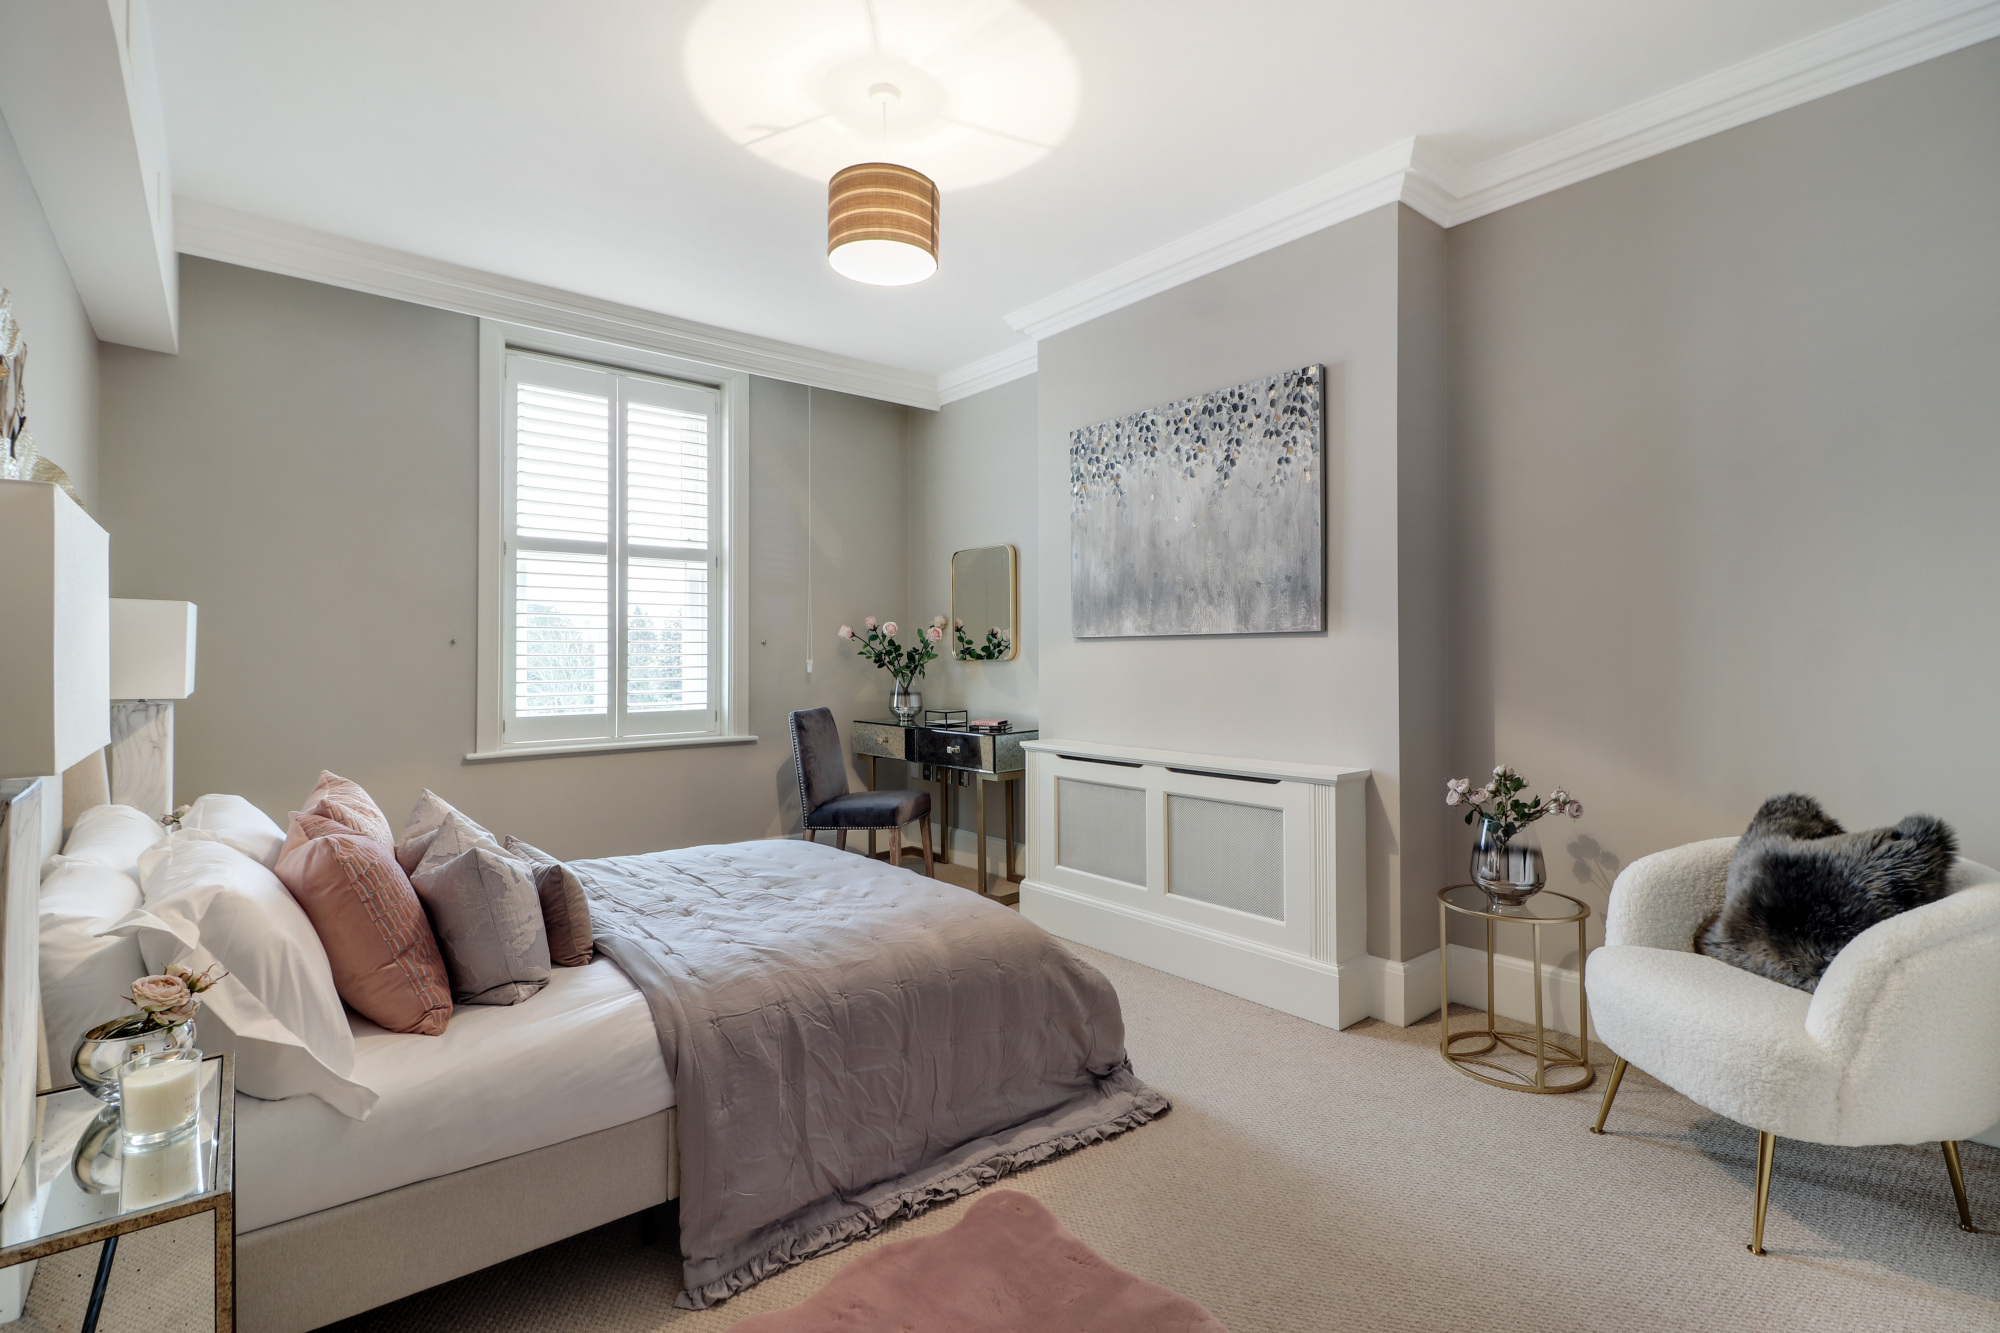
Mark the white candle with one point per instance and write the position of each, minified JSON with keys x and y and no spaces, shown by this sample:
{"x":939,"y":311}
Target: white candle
{"x":159,"y":1098}
{"x":155,"y":1175}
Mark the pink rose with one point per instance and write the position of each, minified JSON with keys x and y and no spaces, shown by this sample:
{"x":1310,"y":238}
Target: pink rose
{"x":938,"y":621}
{"x":156,"y":994}
{"x":958,"y":624}
{"x":934,"y":633}
{"x":847,"y":631}
{"x":1574,"y":809}
{"x":871,"y":623}
{"x":889,"y":628}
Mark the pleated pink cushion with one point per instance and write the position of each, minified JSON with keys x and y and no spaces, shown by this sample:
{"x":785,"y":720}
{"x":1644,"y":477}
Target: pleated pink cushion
{"x":345,"y":802}
{"x":385,"y":959}
{"x":1008,"y":1267}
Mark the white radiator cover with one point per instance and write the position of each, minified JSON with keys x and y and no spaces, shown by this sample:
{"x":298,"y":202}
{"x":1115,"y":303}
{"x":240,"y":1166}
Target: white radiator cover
{"x":1244,"y":875}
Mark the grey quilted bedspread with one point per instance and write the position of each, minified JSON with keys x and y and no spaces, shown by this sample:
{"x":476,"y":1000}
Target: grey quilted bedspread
{"x":850,"y":1043}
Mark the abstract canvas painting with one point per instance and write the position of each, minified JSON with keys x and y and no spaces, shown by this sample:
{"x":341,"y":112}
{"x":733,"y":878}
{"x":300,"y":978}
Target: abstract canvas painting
{"x":1203,"y":516}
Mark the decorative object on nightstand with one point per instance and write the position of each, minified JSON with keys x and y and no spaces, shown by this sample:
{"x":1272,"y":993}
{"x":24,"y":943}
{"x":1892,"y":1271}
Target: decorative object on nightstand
{"x":826,"y":803}
{"x":880,"y":646}
{"x":167,"y":1004}
{"x":152,"y":666}
{"x":93,"y":1189}
{"x":1506,"y":859}
{"x":1551,"y":1056}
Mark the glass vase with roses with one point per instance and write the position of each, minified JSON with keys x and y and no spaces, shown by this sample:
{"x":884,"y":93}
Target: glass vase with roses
{"x":877,"y":642}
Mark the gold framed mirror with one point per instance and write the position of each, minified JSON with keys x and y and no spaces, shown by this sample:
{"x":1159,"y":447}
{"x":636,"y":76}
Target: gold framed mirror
{"x":986,"y":604}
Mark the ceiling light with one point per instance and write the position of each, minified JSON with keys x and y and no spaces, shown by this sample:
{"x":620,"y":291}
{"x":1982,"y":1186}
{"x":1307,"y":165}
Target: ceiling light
{"x":964,"y":91}
{"x":882,"y":224}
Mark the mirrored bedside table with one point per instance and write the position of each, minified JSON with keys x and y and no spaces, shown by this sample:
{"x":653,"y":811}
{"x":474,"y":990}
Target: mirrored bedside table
{"x":78,"y":1189}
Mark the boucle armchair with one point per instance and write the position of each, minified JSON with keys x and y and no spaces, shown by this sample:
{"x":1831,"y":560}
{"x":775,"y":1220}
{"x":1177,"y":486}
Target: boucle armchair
{"x":1899,"y":1044}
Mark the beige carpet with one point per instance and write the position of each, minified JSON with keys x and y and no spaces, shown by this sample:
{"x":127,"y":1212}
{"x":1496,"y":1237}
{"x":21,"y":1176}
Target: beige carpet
{"x":1318,"y":1180}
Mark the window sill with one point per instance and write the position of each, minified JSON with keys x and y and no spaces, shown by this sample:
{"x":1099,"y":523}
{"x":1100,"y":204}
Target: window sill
{"x":605,"y":747}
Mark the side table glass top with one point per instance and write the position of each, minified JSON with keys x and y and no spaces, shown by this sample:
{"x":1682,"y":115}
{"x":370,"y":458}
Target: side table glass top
{"x":1546,"y":907}
{"x":77,"y":1180}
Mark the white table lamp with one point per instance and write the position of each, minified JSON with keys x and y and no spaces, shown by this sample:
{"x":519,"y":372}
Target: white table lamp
{"x":152,"y":664}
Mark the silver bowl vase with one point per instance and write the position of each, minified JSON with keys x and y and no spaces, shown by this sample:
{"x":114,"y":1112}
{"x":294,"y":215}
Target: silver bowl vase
{"x":905,"y":703}
{"x":1510,"y":872}
{"x":108,"y":1045}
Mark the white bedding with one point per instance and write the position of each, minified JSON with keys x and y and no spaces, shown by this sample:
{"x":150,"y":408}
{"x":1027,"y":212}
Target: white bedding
{"x":580,"y":1056}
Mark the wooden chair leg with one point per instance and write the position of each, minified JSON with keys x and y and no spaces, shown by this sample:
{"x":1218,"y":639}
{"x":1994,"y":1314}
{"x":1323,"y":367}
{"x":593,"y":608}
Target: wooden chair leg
{"x":930,"y":868}
{"x":807,"y":835}
{"x":840,"y":839}
{"x":896,"y":846}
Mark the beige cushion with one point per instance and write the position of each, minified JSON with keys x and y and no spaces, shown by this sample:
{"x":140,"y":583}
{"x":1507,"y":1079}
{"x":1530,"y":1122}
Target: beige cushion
{"x":565,"y":911}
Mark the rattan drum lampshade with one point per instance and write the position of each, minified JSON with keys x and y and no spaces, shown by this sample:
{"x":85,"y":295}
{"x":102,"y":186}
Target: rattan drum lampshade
{"x":882,"y":224}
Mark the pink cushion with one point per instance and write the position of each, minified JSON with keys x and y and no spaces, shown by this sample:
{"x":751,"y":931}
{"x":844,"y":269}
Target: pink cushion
{"x":344,"y":802}
{"x":385,"y":960}
{"x":1007,"y":1266}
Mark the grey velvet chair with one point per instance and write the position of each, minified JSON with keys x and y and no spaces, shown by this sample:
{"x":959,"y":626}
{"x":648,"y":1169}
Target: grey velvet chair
{"x":828,"y":804}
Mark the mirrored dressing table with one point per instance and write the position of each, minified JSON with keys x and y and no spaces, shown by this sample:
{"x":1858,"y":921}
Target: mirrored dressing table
{"x":954,"y":757}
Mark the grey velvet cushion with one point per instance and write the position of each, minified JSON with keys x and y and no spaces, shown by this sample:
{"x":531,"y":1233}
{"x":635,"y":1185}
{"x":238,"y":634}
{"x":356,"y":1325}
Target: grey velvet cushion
{"x":871,"y":809}
{"x":486,"y":913}
{"x":565,"y":911}
{"x":817,"y":755}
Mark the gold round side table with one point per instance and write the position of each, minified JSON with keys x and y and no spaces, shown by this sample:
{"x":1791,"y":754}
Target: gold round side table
{"x":1551,"y":1056}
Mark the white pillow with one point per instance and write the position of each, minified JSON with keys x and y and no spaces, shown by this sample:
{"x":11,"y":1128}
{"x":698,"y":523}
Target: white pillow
{"x":235,"y":822}
{"x":111,"y":835}
{"x":207,"y":903}
{"x":84,"y":970}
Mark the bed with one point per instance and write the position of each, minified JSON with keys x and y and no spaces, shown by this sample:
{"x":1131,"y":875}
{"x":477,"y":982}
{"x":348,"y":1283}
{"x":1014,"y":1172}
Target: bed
{"x":826,"y":1043}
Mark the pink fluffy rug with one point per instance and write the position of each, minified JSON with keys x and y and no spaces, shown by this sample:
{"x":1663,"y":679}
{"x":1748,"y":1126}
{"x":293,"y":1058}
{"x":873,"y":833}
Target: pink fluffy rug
{"x":1007,"y":1267}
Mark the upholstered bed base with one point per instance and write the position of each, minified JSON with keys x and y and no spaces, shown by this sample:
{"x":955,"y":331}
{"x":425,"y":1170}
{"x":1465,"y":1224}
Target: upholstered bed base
{"x":312,"y":1270}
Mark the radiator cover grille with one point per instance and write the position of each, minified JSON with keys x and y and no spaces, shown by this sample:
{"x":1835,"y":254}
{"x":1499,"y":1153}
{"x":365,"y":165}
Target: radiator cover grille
{"x":1227,"y":854}
{"x":1101,"y":829}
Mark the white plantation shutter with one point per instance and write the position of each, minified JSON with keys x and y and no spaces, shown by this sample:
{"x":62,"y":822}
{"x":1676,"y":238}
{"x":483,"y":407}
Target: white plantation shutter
{"x":610,"y":495}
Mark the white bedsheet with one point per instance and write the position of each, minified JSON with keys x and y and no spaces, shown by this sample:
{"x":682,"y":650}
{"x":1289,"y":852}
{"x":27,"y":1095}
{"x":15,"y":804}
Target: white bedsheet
{"x":503,"y":1079}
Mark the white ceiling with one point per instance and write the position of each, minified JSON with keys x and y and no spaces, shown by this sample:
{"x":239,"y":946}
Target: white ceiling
{"x":559,"y":143}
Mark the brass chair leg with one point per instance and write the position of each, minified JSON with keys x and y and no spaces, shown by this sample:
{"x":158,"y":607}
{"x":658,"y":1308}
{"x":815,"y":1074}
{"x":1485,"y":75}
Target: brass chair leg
{"x":1958,"y":1186}
{"x":1767,"y":1147}
{"x":930,"y":867}
{"x":1610,"y":1091}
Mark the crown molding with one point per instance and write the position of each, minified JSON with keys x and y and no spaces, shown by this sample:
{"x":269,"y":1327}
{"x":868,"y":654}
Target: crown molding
{"x":1417,"y":173}
{"x":1348,"y":192}
{"x":988,"y":372}
{"x":209,"y":231}
{"x":1827,"y":62}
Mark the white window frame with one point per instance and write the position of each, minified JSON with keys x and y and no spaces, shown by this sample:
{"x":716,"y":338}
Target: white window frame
{"x":729,"y":583}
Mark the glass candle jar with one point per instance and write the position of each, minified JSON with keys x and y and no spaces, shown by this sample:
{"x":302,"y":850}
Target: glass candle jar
{"x":159,"y":1096}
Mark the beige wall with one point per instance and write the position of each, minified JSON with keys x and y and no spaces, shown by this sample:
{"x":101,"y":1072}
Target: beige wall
{"x":306,"y":469}
{"x":972,"y":483}
{"x":62,"y":348}
{"x":1726,"y":476}
{"x":1335,"y":297}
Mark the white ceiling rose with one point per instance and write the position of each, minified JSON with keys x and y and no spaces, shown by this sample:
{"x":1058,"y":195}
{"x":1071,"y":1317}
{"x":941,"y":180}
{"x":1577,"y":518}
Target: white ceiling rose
{"x":976,"y":90}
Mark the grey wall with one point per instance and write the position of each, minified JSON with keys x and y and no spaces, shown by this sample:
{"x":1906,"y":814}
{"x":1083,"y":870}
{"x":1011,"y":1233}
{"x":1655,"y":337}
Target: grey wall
{"x":62,"y":348}
{"x":972,"y":483}
{"x":1334,"y":297}
{"x":1726,"y":457}
{"x":306,"y":470}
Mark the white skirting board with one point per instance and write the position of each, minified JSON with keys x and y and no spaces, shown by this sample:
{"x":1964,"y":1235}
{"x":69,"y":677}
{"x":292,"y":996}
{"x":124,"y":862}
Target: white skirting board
{"x":1335,"y":994}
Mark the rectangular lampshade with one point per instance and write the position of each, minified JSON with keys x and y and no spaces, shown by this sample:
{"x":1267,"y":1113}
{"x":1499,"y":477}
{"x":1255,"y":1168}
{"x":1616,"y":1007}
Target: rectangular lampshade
{"x":55,"y":631}
{"x":152,"y":649}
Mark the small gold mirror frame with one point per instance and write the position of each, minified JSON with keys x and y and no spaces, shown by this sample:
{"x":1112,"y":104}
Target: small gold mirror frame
{"x":986,"y":595}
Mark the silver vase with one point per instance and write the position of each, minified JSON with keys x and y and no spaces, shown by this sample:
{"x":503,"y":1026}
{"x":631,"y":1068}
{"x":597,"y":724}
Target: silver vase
{"x":101,"y":1050}
{"x":905,"y":703}
{"x":1511,"y":870}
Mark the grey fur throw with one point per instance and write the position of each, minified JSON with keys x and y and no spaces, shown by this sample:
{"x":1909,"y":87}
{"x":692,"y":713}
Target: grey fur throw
{"x":1800,"y":887}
